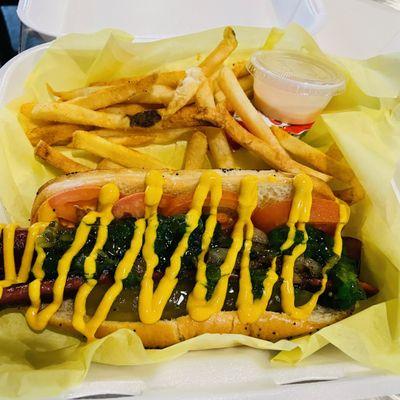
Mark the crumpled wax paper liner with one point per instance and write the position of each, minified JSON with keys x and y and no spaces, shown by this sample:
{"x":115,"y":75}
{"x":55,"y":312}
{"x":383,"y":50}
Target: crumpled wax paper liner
{"x":363,"y":121}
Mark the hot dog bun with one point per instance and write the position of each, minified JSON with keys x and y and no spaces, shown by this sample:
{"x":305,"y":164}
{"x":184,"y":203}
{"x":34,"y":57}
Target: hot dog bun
{"x":273,"y":186}
{"x":271,"y":326}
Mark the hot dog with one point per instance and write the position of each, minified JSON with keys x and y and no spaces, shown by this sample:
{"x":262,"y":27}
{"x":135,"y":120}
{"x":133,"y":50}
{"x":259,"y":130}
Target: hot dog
{"x":176,"y":254}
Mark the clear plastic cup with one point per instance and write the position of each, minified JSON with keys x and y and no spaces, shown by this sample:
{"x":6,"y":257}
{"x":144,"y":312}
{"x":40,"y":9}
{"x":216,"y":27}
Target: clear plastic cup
{"x":293,"y":87}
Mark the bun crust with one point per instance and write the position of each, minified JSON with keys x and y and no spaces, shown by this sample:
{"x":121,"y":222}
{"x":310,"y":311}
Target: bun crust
{"x":271,"y":326}
{"x":273,"y":186}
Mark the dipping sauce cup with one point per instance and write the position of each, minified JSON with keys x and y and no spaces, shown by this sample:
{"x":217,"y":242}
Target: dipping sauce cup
{"x":292,"y":87}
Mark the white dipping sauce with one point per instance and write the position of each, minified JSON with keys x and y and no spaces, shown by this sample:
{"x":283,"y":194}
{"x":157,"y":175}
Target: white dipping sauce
{"x":293,"y":87}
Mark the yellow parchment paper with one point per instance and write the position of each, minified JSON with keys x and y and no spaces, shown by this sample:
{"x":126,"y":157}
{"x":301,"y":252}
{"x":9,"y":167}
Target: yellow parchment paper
{"x":364,"y":122}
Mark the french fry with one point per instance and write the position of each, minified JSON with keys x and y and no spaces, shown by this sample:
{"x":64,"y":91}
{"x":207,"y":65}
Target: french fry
{"x":119,"y":154}
{"x":29,"y":124}
{"x":185,"y":117}
{"x":220,"y":97}
{"x":196,"y":151}
{"x":114,"y":94}
{"x":217,"y":57}
{"x":253,"y":120}
{"x":57,"y":160}
{"x":334,"y":152}
{"x":353,"y":194}
{"x":72,"y":94}
{"x":347,"y":195}
{"x":164,"y":107}
{"x":214,"y":83}
{"x":297,"y":167}
{"x":223,"y":119}
{"x":139,"y":131}
{"x":113,"y":82}
{"x":125,"y":133}
{"x":52,"y":134}
{"x":106,"y":133}
{"x":145,"y":139}
{"x":273,"y":151}
{"x":158,"y":94}
{"x":240,"y":135}
{"x":239,"y":68}
{"x":321,"y":187}
{"x":26,"y":109}
{"x":171,"y":78}
{"x":124,"y":109}
{"x":246,"y":84}
{"x":305,"y":153}
{"x":107,"y":164}
{"x":185,"y":90}
{"x":168,"y":78}
{"x":73,"y":114}
{"x":219,"y":147}
{"x":204,"y":96}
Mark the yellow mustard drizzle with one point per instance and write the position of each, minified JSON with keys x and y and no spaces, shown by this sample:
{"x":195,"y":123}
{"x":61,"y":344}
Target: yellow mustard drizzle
{"x":199,"y":308}
{"x":10,"y":274}
{"x":200,"y":290}
{"x":300,"y":214}
{"x":38,"y":319}
{"x":249,"y":310}
{"x":153,"y":194}
{"x":337,"y":249}
{"x":122,"y":271}
{"x":109,"y":195}
{"x":344,"y":215}
{"x":152,"y":302}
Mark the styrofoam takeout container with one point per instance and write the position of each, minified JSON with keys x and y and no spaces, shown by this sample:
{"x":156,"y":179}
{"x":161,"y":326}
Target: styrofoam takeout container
{"x":236,"y":373}
{"x":352,"y":28}
{"x":359,"y":28}
{"x":156,"y":19}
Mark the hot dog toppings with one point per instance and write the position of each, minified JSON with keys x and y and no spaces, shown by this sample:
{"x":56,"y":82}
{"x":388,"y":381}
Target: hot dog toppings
{"x":155,"y":252}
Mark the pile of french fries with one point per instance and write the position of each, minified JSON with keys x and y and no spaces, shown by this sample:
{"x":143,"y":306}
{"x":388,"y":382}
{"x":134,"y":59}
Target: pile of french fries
{"x":200,"y":105}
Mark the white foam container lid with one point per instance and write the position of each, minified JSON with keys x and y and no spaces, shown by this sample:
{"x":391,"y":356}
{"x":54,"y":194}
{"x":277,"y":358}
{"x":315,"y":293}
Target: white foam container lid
{"x":160,"y":18}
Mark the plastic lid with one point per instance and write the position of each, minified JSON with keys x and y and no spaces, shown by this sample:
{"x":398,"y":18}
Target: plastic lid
{"x":297,"y":72}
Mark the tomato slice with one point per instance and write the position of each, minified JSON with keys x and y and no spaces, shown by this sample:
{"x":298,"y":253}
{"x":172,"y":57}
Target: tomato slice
{"x":181,"y":204}
{"x":69,"y":203}
{"x":66,"y":204}
{"x":134,"y":205}
{"x":129,"y":205}
{"x":173,"y":205}
{"x":324,"y":214}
